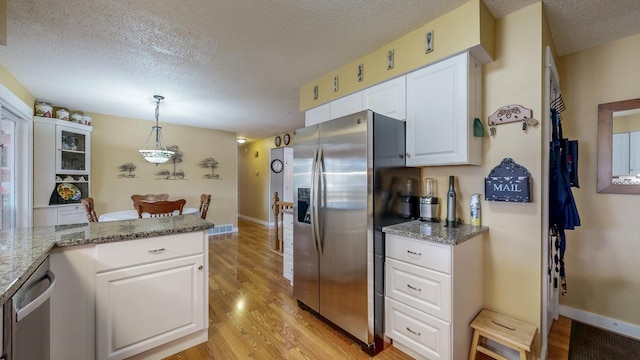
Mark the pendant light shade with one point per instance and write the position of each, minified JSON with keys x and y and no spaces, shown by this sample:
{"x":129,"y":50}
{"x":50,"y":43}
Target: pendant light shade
{"x":158,"y":154}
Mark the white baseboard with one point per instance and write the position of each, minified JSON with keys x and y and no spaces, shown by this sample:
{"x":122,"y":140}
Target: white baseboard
{"x":261,"y":222}
{"x":617,"y":326}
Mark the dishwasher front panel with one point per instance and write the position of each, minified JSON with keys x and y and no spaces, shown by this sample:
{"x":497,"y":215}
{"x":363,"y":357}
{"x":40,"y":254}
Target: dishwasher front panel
{"x":26,"y":317}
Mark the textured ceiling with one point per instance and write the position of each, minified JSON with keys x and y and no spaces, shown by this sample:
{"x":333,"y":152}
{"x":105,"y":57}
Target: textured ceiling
{"x":234,"y":65}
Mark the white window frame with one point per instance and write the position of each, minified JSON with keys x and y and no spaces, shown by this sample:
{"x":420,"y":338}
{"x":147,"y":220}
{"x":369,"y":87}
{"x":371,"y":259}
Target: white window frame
{"x":14,"y":109}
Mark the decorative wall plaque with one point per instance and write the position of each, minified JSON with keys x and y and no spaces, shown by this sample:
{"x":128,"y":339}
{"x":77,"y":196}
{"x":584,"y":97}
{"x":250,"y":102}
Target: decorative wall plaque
{"x":508,"y":182}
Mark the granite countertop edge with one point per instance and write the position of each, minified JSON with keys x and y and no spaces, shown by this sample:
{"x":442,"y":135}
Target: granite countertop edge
{"x":28,"y":247}
{"x":435,"y":232}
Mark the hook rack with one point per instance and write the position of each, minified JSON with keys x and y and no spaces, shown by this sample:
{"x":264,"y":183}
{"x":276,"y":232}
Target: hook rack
{"x":511,"y":113}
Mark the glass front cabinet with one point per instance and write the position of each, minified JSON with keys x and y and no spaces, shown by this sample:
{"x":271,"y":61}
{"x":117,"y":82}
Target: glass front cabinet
{"x":61,"y":171}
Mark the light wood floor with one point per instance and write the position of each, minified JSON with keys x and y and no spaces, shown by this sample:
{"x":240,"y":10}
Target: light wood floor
{"x":253,"y":315}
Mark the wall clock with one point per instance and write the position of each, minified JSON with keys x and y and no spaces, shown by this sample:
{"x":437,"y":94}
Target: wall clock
{"x":276,"y":166}
{"x":278,"y":140}
{"x":286,"y":139}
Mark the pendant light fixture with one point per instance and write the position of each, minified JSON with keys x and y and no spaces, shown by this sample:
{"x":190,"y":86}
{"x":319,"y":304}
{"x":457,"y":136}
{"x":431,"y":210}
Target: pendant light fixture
{"x":159,"y":154}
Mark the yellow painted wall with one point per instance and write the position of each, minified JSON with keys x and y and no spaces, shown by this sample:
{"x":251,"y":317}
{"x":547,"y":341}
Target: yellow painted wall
{"x":602,"y":254}
{"x":116,"y":141}
{"x":626,"y":123}
{"x":512,"y":248}
{"x":255,"y":198}
{"x":453,"y":32}
{"x":15,"y":87}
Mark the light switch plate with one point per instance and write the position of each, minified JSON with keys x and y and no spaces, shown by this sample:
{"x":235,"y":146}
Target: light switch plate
{"x":428,"y":42}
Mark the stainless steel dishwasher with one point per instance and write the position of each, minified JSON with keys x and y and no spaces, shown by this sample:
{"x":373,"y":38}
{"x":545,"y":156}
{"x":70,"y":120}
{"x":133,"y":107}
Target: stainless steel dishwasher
{"x":26,"y":317}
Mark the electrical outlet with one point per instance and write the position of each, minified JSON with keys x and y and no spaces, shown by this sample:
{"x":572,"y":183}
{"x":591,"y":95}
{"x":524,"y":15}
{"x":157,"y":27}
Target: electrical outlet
{"x":428,"y":42}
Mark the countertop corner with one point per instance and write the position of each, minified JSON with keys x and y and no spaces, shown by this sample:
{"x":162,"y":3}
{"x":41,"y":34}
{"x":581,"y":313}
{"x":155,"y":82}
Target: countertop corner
{"x":435,"y":232}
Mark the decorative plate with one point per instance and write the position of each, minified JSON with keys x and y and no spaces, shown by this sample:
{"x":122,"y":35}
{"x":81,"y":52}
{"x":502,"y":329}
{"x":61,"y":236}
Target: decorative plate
{"x":278,"y":140}
{"x":286,"y":139}
{"x":69,"y":192}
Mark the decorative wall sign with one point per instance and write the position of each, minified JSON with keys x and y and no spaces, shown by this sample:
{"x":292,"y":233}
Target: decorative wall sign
{"x":315,"y":92}
{"x":335,"y":83}
{"x":127,"y":170}
{"x":390,"y":59}
{"x":428,"y":42}
{"x":360,"y":72}
{"x":508,"y":182}
{"x":176,"y":158}
{"x":210,"y":163}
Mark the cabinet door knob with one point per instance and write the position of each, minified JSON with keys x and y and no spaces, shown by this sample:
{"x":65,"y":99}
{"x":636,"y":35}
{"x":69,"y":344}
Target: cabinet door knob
{"x":407,"y":155}
{"x":200,"y":267}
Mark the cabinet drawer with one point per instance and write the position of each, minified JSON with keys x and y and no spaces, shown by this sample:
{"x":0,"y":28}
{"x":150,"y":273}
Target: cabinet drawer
{"x":424,"y":289}
{"x":132,"y":252}
{"x":72,"y":215}
{"x":422,"y":333}
{"x":419,"y":252}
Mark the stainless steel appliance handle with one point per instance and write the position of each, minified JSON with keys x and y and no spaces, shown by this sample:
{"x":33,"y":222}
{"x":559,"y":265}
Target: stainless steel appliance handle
{"x":321,"y":200}
{"x":315,"y":230}
{"x":41,"y":299}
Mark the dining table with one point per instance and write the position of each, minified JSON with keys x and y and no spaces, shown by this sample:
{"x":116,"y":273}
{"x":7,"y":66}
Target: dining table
{"x":133,"y":214}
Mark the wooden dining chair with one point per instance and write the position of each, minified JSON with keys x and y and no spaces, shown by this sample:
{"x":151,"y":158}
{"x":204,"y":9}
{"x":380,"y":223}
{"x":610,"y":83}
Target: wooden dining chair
{"x":149,"y":197}
{"x":205,"y":200}
{"x":160,"y":208}
{"x":89,"y":209}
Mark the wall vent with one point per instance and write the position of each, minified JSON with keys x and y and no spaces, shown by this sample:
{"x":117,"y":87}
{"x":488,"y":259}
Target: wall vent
{"x":221,"y":229}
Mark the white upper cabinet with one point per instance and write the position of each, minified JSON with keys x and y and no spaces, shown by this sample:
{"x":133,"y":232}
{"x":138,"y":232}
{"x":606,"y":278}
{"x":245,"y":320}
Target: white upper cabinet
{"x":634,"y":152}
{"x":442,"y":101}
{"x":620,"y":152}
{"x":388,"y":98}
{"x":317,"y":114}
{"x":346,"y":105}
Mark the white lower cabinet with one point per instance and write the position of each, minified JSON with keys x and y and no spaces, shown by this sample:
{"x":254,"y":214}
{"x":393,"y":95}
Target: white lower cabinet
{"x":433,"y":291}
{"x":59,"y":215}
{"x":287,"y":256}
{"x":135,"y":299}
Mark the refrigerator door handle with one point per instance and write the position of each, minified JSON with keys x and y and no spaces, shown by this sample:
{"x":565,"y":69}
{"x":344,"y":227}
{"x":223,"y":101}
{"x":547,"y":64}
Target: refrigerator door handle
{"x":315,"y":230}
{"x":321,"y":200}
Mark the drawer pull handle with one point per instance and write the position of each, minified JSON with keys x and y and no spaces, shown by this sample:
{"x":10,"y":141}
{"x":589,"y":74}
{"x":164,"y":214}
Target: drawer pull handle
{"x":413,"y":332}
{"x":414,"y":253}
{"x":413,"y":288}
{"x":157,"y":251}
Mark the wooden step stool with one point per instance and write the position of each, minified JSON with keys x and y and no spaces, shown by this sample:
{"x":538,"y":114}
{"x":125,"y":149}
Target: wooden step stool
{"x":504,"y":330}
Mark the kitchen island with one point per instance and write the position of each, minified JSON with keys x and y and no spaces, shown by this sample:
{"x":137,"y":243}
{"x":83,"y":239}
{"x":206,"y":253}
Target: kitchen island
{"x":148,"y":276}
{"x":433,"y":287}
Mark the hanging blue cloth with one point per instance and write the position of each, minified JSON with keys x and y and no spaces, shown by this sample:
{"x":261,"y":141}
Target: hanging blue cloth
{"x":563,"y":213}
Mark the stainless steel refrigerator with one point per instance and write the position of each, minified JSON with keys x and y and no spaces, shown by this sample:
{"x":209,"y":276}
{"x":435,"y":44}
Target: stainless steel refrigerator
{"x":348,"y":177}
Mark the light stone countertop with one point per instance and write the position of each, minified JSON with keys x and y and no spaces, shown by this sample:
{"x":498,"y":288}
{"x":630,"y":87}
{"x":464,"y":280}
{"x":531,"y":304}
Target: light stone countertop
{"x":435,"y":232}
{"x":22,"y":250}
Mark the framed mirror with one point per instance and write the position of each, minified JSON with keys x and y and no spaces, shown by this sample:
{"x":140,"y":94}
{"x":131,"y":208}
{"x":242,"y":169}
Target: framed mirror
{"x":619,"y":147}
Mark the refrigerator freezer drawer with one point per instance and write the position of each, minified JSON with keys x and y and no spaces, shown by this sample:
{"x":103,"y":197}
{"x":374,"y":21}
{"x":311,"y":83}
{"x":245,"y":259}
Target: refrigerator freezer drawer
{"x":419,"y":252}
{"x":425,"y":335}
{"x":424,"y":289}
